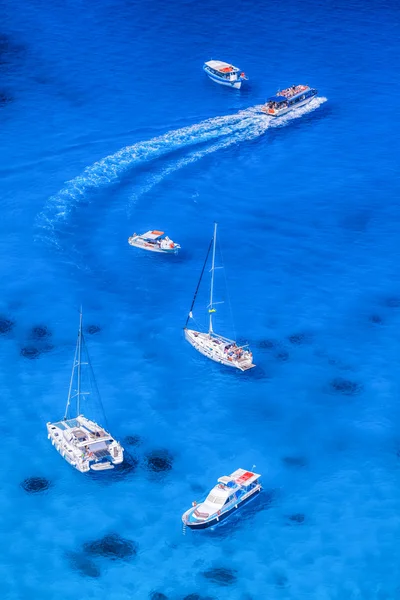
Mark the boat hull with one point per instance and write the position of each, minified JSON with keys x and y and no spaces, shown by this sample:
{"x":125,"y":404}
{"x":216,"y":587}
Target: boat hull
{"x":206,"y":345}
{"x":284,"y":111}
{"x":216,"y":519}
{"x":75,"y":456}
{"x":152,"y":247}
{"x":237,"y":83}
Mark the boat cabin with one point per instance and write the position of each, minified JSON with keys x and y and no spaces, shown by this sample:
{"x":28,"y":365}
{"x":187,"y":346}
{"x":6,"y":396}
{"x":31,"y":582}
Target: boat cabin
{"x":289,"y":97}
{"x":222,"y":69}
{"x":153,"y":237}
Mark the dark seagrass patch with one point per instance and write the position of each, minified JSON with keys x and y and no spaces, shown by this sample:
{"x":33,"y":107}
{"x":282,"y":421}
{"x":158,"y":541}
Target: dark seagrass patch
{"x":6,"y":325}
{"x":30,"y":352}
{"x":83,"y":565}
{"x":346,"y":387}
{"x":295,"y":462}
{"x":132,"y":440}
{"x":40,"y":332}
{"x":297,"y":518}
{"x":112,"y":546}
{"x":34,"y":485}
{"x":159,"y":461}
{"x":93,"y":329}
{"x":221,"y":575}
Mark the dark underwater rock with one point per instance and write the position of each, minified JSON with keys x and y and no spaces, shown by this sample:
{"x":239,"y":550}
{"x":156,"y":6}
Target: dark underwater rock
{"x":159,"y":461}
{"x":158,"y":596}
{"x":298,"y":339}
{"x":34,"y":485}
{"x":267,"y":344}
{"x":5,"y":98}
{"x":392,"y":302}
{"x":6,"y":325}
{"x":30,"y":352}
{"x":92,"y":329}
{"x":10,"y":51}
{"x":195,"y":596}
{"x":40,"y":332}
{"x":295,"y":461}
{"x":297,"y":518}
{"x":280,"y":580}
{"x":132,"y":440}
{"x":221,"y":575}
{"x":82,"y":564}
{"x":46,"y":348}
{"x":282,"y":355}
{"x":345,"y":387}
{"x":376,"y":319}
{"x":112,"y":546}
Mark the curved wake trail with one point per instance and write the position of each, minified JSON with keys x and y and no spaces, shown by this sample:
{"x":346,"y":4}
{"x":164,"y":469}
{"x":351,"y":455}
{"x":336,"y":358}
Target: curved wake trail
{"x":110,"y":169}
{"x":244,"y":125}
{"x":254,"y":130}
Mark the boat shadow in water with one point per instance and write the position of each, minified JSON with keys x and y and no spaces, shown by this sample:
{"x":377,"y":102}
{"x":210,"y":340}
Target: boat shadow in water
{"x":119,"y":473}
{"x":261,"y":502}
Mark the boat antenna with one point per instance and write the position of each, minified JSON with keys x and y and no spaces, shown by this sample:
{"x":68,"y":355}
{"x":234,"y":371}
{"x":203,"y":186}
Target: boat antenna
{"x":211,"y":310}
{"x":198,"y":285}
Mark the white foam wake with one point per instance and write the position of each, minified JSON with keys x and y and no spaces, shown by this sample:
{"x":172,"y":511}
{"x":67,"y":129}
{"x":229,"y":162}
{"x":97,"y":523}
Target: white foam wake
{"x":252,"y":131}
{"x":244,"y":125}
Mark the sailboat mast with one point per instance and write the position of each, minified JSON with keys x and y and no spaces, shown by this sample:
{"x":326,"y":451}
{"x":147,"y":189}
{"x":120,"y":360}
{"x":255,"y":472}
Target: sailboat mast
{"x":210,"y":309}
{"x":71,"y":381}
{"x":79,"y":363}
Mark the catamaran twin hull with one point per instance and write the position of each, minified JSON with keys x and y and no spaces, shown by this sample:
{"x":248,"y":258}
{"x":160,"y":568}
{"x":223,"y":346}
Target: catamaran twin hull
{"x":85,"y":445}
{"x":220,"y":349}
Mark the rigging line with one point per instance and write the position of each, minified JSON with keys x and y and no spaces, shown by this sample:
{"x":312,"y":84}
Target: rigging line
{"x":96,"y":389}
{"x":198,"y":285}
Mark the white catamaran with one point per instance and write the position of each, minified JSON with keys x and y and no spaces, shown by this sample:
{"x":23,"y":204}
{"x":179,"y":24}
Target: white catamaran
{"x":215,"y":346}
{"x":80,"y":441}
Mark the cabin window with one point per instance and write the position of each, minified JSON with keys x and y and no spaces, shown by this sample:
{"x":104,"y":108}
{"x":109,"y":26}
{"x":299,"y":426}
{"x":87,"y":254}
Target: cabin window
{"x":215,"y":499}
{"x":230,"y":499}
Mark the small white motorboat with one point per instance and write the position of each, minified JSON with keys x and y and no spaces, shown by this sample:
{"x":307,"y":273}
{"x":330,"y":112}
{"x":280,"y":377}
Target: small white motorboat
{"x":154,"y":241}
{"x":224,"y":73}
{"x":81,"y":442}
{"x":226,"y":497}
{"x":211,"y":344}
{"x":288,"y":99}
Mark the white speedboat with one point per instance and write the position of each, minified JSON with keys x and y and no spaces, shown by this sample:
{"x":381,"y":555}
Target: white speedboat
{"x":288,"y":99}
{"x":154,"y":241}
{"x":226,"y":497}
{"x":224,"y":73}
{"x":215,"y":346}
{"x":81,"y":442}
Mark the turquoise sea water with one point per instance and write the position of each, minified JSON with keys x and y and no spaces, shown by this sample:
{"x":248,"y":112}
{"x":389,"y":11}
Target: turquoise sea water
{"x":109,"y":126}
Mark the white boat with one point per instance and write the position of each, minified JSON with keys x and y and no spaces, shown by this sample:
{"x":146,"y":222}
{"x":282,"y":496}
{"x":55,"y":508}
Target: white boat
{"x":81,"y":442}
{"x":288,"y":99}
{"x":224,"y":73}
{"x":217,"y":347}
{"x":226,"y":497}
{"x":154,"y":241}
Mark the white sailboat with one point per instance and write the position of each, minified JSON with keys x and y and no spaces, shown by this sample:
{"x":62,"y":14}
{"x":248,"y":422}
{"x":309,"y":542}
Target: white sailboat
{"x":81,"y":442}
{"x":217,"y":347}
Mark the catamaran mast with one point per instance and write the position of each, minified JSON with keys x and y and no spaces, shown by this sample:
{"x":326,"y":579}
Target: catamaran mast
{"x":76,"y":363}
{"x":210,"y":308}
{"x":79,"y":363}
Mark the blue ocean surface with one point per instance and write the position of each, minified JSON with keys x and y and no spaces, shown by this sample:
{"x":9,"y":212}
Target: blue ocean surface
{"x":109,"y":126}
